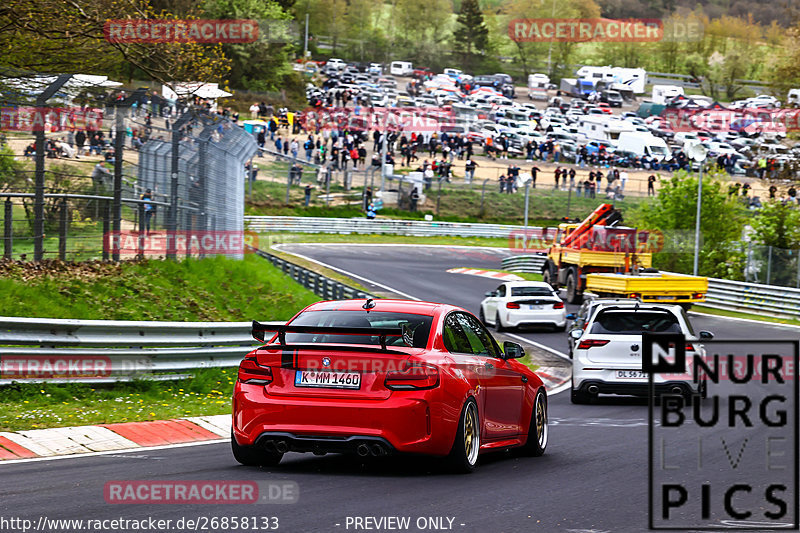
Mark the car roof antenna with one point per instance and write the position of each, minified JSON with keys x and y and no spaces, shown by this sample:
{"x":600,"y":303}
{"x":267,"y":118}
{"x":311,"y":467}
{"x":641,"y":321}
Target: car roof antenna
{"x":369,"y":304}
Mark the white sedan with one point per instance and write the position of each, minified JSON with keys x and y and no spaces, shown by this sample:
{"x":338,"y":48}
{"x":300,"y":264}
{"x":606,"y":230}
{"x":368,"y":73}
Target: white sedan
{"x":523,"y":303}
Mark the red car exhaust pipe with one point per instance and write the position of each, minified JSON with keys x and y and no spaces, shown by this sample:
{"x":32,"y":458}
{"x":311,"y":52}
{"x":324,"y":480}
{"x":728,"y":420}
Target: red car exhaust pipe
{"x":362,"y":450}
{"x":281,"y":446}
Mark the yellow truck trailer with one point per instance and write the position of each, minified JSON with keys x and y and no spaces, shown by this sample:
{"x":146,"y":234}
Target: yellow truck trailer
{"x":600,"y":256}
{"x":651,"y":287}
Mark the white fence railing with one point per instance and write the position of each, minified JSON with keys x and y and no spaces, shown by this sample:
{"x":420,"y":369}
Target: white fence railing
{"x":723,"y":294}
{"x":417,"y":228}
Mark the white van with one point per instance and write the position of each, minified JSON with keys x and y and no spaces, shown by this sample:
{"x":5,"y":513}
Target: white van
{"x":401,"y":68}
{"x":603,"y":128}
{"x":643,"y":144}
{"x":537,"y":86}
{"x":793,"y":98}
{"x":662,"y":93}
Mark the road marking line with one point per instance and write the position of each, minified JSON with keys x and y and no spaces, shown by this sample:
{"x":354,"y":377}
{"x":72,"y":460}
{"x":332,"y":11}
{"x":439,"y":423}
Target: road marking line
{"x":385,"y":287}
{"x":346,"y":273}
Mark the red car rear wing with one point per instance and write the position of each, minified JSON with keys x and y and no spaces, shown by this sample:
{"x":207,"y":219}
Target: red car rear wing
{"x":259,"y":329}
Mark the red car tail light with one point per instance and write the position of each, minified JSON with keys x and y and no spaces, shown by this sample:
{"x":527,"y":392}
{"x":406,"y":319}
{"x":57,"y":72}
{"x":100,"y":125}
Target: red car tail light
{"x":512,"y":305}
{"x":413,"y":377}
{"x":590,"y":343}
{"x":558,"y":305}
{"x":251,"y":372}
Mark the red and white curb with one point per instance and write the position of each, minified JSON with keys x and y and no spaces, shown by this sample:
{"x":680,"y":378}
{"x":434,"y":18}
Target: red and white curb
{"x":503,"y":276}
{"x":111,"y":437}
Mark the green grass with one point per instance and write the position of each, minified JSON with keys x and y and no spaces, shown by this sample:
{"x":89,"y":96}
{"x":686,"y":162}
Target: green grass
{"x":213,"y":289}
{"x":737,"y":314}
{"x":457,"y":204}
{"x":36,"y":406}
{"x":274,"y":238}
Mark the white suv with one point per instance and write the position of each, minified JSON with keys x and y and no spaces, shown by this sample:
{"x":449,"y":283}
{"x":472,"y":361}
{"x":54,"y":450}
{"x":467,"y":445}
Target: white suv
{"x":608,"y":355}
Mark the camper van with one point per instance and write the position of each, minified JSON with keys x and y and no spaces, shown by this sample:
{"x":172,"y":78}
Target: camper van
{"x":643,"y":144}
{"x":634,"y":79}
{"x":537,"y":86}
{"x":401,"y":68}
{"x":663,"y":93}
{"x":603,"y":128}
{"x":793,"y":98}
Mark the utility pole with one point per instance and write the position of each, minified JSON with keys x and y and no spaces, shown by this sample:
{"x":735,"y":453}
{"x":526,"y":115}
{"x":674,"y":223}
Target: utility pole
{"x":305,"y":42}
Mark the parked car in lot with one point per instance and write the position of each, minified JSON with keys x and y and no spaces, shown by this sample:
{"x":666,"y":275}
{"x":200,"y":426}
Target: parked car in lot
{"x":523,"y":303}
{"x":612,"y":98}
{"x":608,"y":356}
{"x":377,"y":378}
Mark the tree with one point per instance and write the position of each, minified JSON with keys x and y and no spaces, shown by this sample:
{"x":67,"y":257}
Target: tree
{"x":674,"y":211}
{"x":471,"y":35}
{"x":60,"y":36}
{"x":262,"y":65}
{"x":420,"y":27}
{"x":777,"y":225}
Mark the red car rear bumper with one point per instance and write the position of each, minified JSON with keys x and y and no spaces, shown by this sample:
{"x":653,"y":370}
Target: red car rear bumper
{"x":409,"y":421}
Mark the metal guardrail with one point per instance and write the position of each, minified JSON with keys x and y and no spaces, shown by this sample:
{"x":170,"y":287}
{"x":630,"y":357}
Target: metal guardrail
{"x":531,"y":264}
{"x":723,"y":294}
{"x":98,"y":351}
{"x":326,"y":288}
{"x":364,"y":226}
{"x":772,"y":300}
{"x":65,"y":350}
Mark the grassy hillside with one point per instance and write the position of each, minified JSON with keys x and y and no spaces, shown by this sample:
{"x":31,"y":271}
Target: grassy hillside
{"x":192,"y":290}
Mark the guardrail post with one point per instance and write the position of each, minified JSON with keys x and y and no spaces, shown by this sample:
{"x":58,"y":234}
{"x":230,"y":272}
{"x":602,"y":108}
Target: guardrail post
{"x":769,"y":264}
{"x":324,"y":292}
{"x":62,"y":230}
{"x":797,"y":254}
{"x":8,"y":233}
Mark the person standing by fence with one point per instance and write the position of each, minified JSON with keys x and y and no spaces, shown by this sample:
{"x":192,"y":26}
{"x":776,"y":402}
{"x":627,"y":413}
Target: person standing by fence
{"x":149,"y":209}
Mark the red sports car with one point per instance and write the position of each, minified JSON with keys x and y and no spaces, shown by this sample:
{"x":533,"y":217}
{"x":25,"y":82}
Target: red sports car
{"x":382,"y":377}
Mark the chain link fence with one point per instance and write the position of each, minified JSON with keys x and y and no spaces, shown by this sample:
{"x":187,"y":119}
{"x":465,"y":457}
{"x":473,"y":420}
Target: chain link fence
{"x":769,"y":265}
{"x":141,"y":182}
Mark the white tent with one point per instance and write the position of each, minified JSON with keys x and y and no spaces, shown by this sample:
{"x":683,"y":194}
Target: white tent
{"x":209,"y":91}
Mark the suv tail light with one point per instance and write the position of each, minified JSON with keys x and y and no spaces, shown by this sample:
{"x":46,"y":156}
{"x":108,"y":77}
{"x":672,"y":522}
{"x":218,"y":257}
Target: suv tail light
{"x":689,"y":347}
{"x":413,"y":377}
{"x":558,"y":305}
{"x":512,"y":305}
{"x":590,"y":343}
{"x":251,"y":372}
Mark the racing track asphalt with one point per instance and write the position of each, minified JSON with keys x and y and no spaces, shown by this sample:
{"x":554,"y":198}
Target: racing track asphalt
{"x":593,"y":477}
